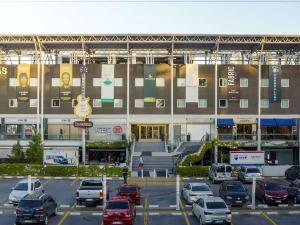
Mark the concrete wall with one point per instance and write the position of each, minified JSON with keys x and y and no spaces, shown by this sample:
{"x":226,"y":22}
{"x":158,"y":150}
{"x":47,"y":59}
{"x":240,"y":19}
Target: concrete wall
{"x":275,"y":171}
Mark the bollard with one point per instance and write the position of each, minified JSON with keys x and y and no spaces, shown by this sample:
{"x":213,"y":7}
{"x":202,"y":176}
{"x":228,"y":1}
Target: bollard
{"x":29,"y":185}
{"x":142,"y":173}
{"x":177,"y":192}
{"x":167,"y":172}
{"x":154,"y":173}
{"x":104,"y":190}
{"x":253,"y":193}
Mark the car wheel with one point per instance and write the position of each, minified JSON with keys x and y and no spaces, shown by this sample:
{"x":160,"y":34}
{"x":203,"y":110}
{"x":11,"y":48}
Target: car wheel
{"x":55,"y":212}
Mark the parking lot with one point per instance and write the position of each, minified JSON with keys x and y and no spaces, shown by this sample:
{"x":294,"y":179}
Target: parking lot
{"x":158,"y":206}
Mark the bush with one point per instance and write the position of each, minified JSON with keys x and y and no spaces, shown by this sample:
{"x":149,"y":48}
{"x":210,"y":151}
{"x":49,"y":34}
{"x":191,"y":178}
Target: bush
{"x":107,"y":144}
{"x":193,"y":171}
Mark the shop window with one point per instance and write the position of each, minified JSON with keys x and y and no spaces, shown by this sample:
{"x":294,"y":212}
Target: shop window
{"x":285,"y":103}
{"x":202,"y":82}
{"x":180,"y":82}
{"x":202,"y":103}
{"x":13,"y":82}
{"x":160,"y":103}
{"x":265,"y":83}
{"x":97,"y":103}
{"x":223,"y":82}
{"x":223,"y":103}
{"x":285,"y":83}
{"x":33,"y":82}
{"x":160,"y":82}
{"x":118,"y":82}
{"x":118,"y":103}
{"x":139,"y":82}
{"x":33,"y":103}
{"x":55,"y":103}
{"x":11,"y":129}
{"x":13,"y":103}
{"x":139,"y":103}
{"x":244,"y":82}
{"x":76,"y":82}
{"x":243,"y":103}
{"x":264,"y":103}
{"x":181,"y":103}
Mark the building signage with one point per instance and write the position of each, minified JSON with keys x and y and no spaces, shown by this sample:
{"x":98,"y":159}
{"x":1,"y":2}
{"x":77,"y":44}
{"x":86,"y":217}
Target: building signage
{"x":83,"y":124}
{"x":23,"y":79}
{"x":3,"y":70}
{"x":149,"y":83}
{"x":107,"y":83}
{"x":232,"y":85}
{"x":192,"y":83}
{"x":275,"y":84}
{"x":254,"y":158}
{"x":106,"y":132}
{"x":83,"y":108}
{"x":66,"y":81}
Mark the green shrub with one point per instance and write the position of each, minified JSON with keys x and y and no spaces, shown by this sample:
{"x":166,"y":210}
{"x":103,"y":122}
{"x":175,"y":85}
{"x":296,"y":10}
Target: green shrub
{"x":107,"y":144}
{"x":193,"y":171}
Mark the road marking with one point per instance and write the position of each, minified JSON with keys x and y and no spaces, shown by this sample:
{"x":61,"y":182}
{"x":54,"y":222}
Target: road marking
{"x":153,"y":206}
{"x":172,"y":206}
{"x":283,"y":205}
{"x":272,"y":213}
{"x":154,"y":213}
{"x":255,"y":213}
{"x":268,"y":218}
{"x":64,"y":206}
{"x":294,"y":212}
{"x":75,"y":213}
{"x":186,"y":218}
{"x":97,"y":214}
{"x":63,"y":219}
{"x":235,"y":213}
{"x":176,"y":214}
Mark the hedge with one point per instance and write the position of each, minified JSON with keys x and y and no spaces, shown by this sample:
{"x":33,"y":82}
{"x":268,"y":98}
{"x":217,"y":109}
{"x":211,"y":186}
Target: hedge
{"x":193,"y":171}
{"x":197,"y":157}
{"x":22,"y":169}
{"x":107,"y":144}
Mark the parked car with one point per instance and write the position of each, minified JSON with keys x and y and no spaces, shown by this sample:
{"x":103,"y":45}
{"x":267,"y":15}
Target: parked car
{"x":292,"y":173}
{"x":271,"y":191}
{"x":211,"y":210}
{"x":234,"y":193}
{"x":220,"y":172}
{"x":192,"y":191}
{"x":132,"y":191}
{"x":294,"y":191}
{"x":119,"y":210}
{"x":60,"y":159}
{"x":90,"y":192}
{"x":35,"y":208}
{"x":21,"y":189}
{"x":246,"y":174}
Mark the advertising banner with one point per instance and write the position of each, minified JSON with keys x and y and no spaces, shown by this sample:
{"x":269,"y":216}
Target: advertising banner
{"x":23,"y":82}
{"x":66,"y":81}
{"x":107,"y":132}
{"x":192,"y":82}
{"x":61,"y":157}
{"x":247,"y":158}
{"x":275,"y":83}
{"x":149,"y":83}
{"x":107,"y":83}
{"x":233,"y":92}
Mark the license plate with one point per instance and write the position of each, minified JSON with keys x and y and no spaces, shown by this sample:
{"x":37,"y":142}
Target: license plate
{"x":117,"y":222}
{"x":278,"y":201}
{"x":238,"y":201}
{"x":219,"y":221}
{"x":28,"y":221}
{"x":89,"y":200}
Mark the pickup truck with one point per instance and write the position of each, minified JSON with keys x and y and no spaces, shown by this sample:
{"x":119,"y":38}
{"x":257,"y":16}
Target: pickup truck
{"x":90,"y":192}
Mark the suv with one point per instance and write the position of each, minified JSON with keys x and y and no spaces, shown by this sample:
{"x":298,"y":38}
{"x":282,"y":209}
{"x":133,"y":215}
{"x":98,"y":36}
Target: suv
{"x":211,"y":210}
{"x":21,"y":189}
{"x":35,"y":208}
{"x":119,"y":210}
{"x":294,"y":191}
{"x":220,"y":172}
{"x":271,"y":191}
{"x":192,"y":191}
{"x":246,"y":174}
{"x":132,"y":191}
{"x":234,"y":193}
{"x":292,"y":173}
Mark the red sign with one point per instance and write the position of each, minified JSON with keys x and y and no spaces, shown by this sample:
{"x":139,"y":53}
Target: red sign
{"x":117,"y":130}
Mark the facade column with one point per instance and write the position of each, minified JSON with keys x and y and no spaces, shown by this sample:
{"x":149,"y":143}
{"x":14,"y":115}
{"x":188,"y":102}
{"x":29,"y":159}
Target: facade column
{"x":172,"y":99}
{"x":38,"y":91}
{"x":258,"y":105}
{"x":216,"y":103}
{"x":128,"y":129}
{"x":42,"y":95}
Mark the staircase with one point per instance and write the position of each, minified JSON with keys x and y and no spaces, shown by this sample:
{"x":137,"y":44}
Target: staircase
{"x":150,"y":146}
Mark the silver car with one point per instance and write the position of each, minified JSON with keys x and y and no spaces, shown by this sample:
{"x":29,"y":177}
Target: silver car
{"x":192,"y":191}
{"x":247,"y":174}
{"x":211,"y":210}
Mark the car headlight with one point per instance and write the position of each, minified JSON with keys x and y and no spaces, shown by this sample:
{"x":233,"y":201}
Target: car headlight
{"x":268,"y":196}
{"x":285,"y":196}
{"x":228,"y":197}
{"x":12,"y":197}
{"x":247,"y":197}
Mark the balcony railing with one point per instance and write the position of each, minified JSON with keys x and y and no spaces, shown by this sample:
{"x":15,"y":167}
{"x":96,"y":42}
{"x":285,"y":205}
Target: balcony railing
{"x":63,"y":137}
{"x":15,"y":137}
{"x":279,"y":137}
{"x":238,"y":137}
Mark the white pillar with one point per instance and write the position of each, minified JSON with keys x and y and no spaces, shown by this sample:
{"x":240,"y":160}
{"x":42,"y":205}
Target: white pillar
{"x":128,"y":96}
{"x":42,"y":97}
{"x":172,"y":100}
{"x":29,"y":184}
{"x":38,"y":94}
{"x":104,"y":190}
{"x":253,"y":193}
{"x":177,"y":192}
{"x":216,"y":104}
{"x":258,"y":106}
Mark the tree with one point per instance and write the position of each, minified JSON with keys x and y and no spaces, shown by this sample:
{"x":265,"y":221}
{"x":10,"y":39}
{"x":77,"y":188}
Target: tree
{"x":35,"y":149}
{"x":17,"y":153}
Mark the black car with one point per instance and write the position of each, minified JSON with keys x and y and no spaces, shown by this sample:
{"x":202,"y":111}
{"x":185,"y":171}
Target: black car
{"x":292,"y":173}
{"x":234,"y":193}
{"x":294,"y":191}
{"x":35,"y":209}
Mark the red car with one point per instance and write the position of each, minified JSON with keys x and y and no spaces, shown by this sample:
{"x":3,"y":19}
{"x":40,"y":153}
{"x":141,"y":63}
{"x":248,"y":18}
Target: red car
{"x":132,"y":191}
{"x":119,"y":210}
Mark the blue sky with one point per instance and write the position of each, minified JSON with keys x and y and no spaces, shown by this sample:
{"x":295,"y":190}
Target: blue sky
{"x":201,"y":18}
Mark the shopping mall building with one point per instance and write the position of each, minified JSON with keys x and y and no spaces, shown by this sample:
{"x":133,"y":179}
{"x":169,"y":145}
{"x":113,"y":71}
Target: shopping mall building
{"x":240,"y":88}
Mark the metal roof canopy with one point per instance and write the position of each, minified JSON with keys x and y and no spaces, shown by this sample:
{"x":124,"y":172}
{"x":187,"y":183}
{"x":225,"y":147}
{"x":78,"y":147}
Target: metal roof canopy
{"x":150,"y":41}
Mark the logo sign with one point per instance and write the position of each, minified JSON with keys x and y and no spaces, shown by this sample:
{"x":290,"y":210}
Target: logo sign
{"x":117,"y":130}
{"x":107,"y":82}
{"x":83,"y":124}
{"x":83,"y":109}
{"x":83,"y":69}
{"x":3,"y":70}
{"x":232,"y":87}
{"x":254,"y":158}
{"x":275,"y":84}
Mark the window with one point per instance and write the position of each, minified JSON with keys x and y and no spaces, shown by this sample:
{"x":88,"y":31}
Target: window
{"x":285,"y":103}
{"x":244,"y":103}
{"x":223,"y":103}
{"x":118,"y":82}
{"x":33,"y":103}
{"x":118,"y":103}
{"x":55,"y":103}
{"x":97,"y":82}
{"x":264,"y":103}
{"x":74,"y":102}
{"x":160,"y":103}
{"x":13,"y":103}
{"x":13,"y":82}
{"x":202,"y":103}
{"x":55,"y":82}
{"x":139,"y":82}
{"x":285,"y":83}
{"x":160,"y":82}
{"x":222,"y":82}
{"x":97,"y":103}
{"x":33,"y":82}
{"x":139,"y":103}
{"x":264,"y":82}
{"x":244,"y":82}
{"x":202,"y":82}
{"x":76,"y":82}
{"x":180,"y":82}
{"x":181,"y":103}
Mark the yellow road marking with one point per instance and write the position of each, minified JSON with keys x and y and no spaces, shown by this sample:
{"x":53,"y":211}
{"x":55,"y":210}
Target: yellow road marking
{"x":186,"y":218}
{"x":145,"y":211}
{"x":64,"y":218}
{"x":268,"y":218}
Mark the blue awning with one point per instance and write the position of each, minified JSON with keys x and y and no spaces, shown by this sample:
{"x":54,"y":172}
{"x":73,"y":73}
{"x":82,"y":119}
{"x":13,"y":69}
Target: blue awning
{"x":277,"y":122}
{"x":225,"y":122}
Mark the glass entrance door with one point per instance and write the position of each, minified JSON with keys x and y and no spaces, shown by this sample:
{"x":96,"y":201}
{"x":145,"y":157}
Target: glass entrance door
{"x":152,"y":132}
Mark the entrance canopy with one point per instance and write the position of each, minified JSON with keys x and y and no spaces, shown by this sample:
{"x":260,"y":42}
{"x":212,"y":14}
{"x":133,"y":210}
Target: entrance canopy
{"x":225,"y":122}
{"x":277,"y":122}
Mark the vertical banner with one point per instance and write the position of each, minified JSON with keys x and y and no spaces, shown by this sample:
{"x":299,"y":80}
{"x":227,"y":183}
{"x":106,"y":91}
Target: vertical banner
{"x":275,"y":83}
{"x":192,"y":82}
{"x":107,"y":83}
{"x":149,"y":83}
{"x":66,"y":81}
{"x":23,"y":85}
{"x":233,"y":92}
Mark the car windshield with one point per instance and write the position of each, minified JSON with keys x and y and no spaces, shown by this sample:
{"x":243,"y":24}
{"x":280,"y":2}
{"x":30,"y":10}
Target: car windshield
{"x":117,"y":205}
{"x":253,"y":170}
{"x":128,"y":189}
{"x":216,"y":205}
{"x":22,"y":187}
{"x":200,"y":188}
{"x":221,"y":169}
{"x":235,"y":188}
{"x":91,"y":183}
{"x":30,"y":203}
{"x":273,"y":187}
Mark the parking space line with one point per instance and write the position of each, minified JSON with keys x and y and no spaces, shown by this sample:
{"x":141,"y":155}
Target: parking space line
{"x":64,"y":218}
{"x":268,"y":218}
{"x":186,"y":218}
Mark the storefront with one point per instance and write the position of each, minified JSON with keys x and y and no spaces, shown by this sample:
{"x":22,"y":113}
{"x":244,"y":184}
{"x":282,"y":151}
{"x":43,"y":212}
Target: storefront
{"x":245,"y":129}
{"x":225,"y":129}
{"x":15,"y":128}
{"x":103,"y":156}
{"x":150,"y":132}
{"x":61,"y":129}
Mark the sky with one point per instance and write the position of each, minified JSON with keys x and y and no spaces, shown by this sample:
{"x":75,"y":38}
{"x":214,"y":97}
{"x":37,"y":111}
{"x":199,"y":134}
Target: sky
{"x":149,"y":17}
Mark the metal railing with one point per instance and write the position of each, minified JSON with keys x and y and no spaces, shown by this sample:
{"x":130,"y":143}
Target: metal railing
{"x":72,"y":137}
{"x":15,"y":137}
{"x":239,"y":137}
{"x":292,"y":137}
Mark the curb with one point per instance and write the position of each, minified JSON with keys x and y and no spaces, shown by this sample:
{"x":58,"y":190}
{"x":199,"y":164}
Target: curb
{"x":58,"y":178}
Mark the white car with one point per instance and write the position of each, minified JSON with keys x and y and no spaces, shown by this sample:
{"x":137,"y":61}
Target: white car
{"x":220,"y":172}
{"x":21,"y":189}
{"x":246,"y":174}
{"x":193,"y":191}
{"x":211,"y":210}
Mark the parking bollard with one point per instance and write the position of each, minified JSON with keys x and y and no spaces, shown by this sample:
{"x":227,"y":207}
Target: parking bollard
{"x":253,"y":193}
{"x":142,"y":173}
{"x":167,"y":172}
{"x":177,"y":192}
{"x":29,"y":185}
{"x":104,"y":190}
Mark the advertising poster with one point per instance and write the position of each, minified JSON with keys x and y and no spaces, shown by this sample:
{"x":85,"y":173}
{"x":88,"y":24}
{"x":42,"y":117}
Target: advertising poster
{"x":233,"y":85}
{"x":275,"y":84}
{"x":247,"y":158}
{"x":60,"y":157}
{"x":66,"y":80}
{"x":107,"y":83}
{"x":192,"y":83}
{"x":149,"y":83}
{"x":23,"y":82}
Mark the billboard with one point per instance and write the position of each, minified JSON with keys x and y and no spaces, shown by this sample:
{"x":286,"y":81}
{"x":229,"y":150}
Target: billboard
{"x":61,"y":157}
{"x":149,"y":83}
{"x":23,"y":82}
{"x":232,"y":84}
{"x":66,"y":81}
{"x":275,"y":84}
{"x":247,"y":158}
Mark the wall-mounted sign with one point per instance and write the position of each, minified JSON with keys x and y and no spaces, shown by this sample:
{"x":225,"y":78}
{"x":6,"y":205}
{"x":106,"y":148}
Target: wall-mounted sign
{"x":106,"y":132}
{"x":275,"y":84}
{"x":149,"y":83}
{"x":3,"y":70}
{"x":66,"y":81}
{"x":232,"y":85}
{"x":254,"y":158}
{"x":83,"y":108}
{"x":83,"y":124}
{"x":117,"y":130}
{"x":23,"y":78}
